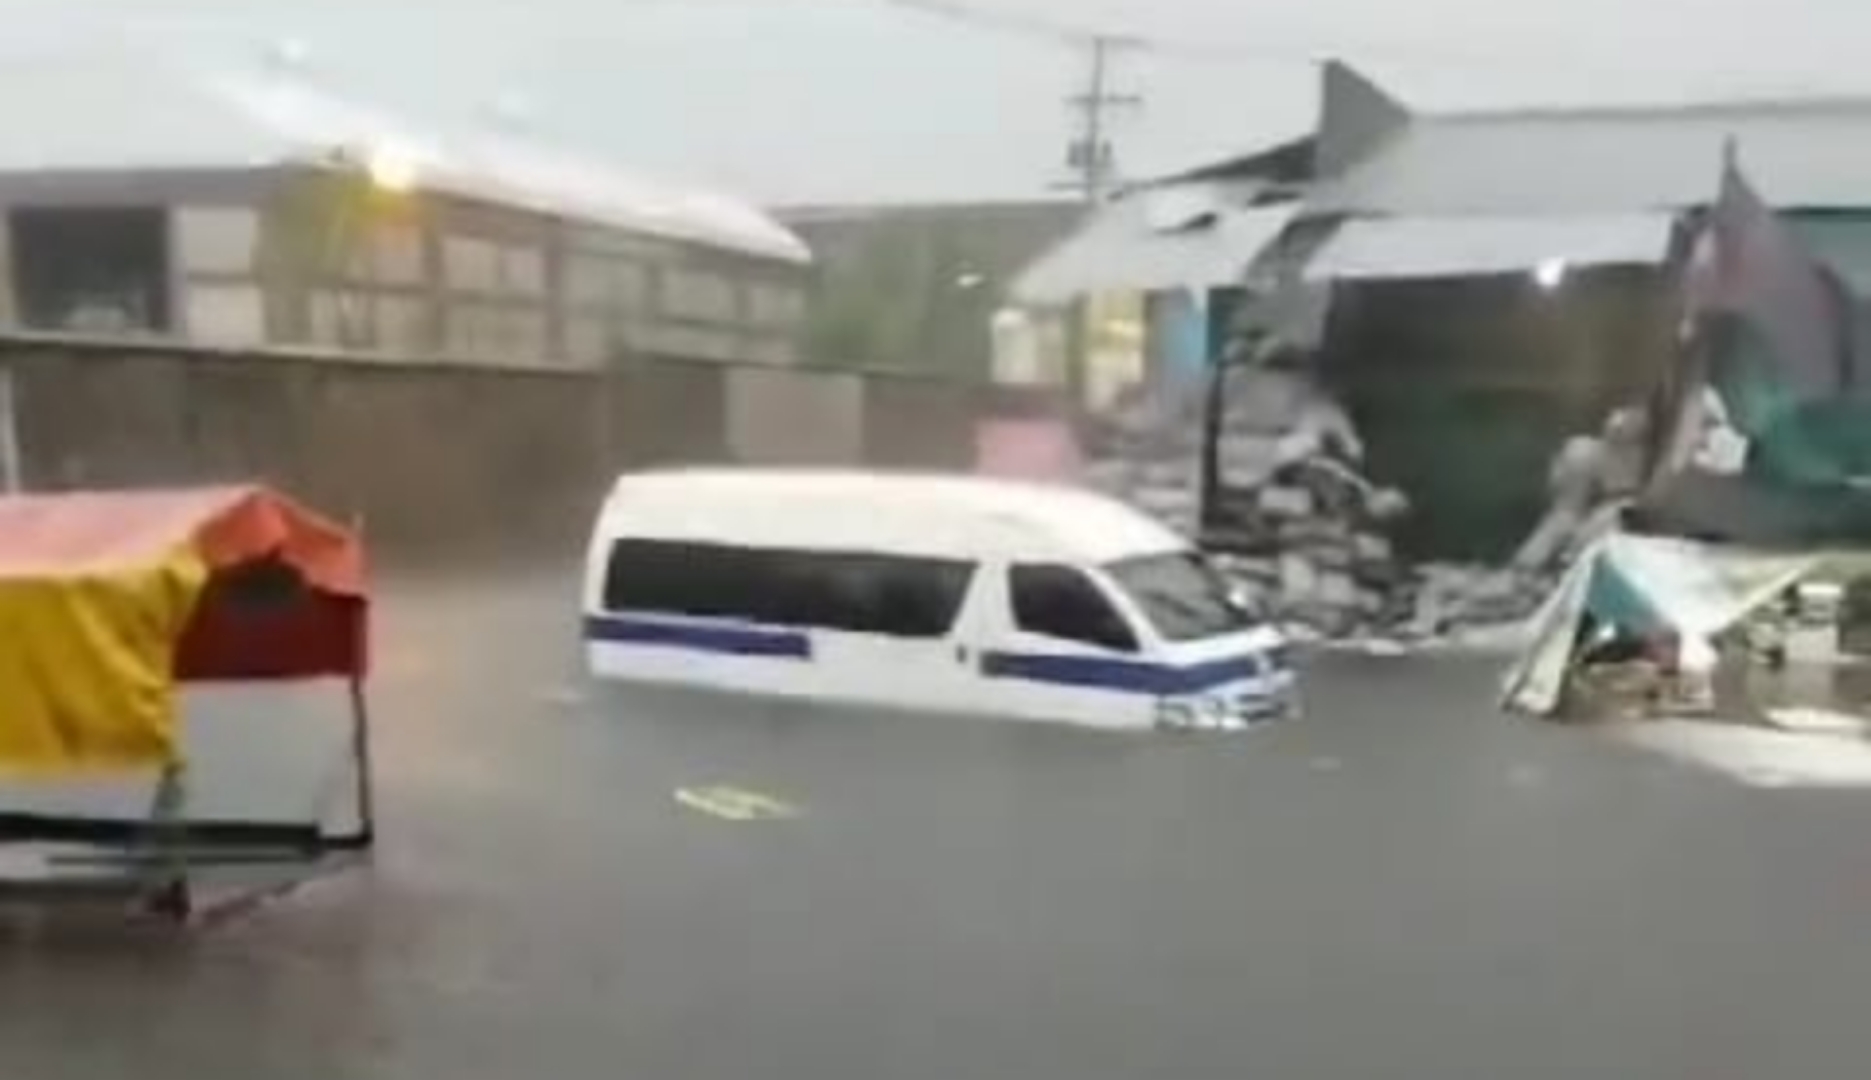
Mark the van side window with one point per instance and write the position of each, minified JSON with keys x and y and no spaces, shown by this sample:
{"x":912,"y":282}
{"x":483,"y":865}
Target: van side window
{"x":679,"y":579}
{"x":892,"y":595}
{"x":1061,"y":602}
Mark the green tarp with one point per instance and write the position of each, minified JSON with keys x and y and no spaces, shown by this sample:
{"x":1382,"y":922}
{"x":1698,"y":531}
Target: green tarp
{"x":1794,"y":441}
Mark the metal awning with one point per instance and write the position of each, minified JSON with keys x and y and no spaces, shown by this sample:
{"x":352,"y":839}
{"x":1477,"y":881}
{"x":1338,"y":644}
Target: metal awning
{"x":1470,"y":246}
{"x":1152,"y":242}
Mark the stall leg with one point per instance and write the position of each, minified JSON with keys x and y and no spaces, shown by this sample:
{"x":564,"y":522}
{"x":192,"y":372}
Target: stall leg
{"x":360,"y":752}
{"x":167,"y":888}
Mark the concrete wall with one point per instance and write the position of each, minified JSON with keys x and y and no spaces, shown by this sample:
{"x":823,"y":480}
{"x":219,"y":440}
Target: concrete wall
{"x":776,"y":417}
{"x":908,"y":424}
{"x":446,"y":460}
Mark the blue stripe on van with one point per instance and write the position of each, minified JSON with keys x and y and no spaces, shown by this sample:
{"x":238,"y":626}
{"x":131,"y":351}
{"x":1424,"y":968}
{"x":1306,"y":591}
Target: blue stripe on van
{"x":1124,"y":676}
{"x":727,"y":639}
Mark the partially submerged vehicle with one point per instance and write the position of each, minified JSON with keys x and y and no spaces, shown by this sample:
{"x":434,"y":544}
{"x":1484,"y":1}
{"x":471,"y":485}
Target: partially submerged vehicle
{"x":110,"y":602}
{"x":955,"y":595}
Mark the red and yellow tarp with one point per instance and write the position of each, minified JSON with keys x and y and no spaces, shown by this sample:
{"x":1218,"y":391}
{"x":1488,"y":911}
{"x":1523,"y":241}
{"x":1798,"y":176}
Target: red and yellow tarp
{"x":107,"y":599}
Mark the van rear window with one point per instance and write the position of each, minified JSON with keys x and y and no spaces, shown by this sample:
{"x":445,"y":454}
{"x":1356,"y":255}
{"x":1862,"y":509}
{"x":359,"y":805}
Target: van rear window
{"x":894,"y":595}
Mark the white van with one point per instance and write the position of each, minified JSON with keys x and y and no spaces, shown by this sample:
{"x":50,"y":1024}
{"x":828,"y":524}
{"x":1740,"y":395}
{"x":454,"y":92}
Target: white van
{"x":951,"y":595}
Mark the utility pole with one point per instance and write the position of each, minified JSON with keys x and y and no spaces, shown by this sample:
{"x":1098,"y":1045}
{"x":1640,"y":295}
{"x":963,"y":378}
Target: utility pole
{"x":1090,"y":154}
{"x":1091,"y":157}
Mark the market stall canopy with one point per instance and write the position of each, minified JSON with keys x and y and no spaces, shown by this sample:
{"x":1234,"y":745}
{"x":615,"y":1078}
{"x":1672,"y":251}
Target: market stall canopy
{"x":107,"y":599}
{"x":1474,"y":245}
{"x":1154,"y":240}
{"x":1643,"y":585}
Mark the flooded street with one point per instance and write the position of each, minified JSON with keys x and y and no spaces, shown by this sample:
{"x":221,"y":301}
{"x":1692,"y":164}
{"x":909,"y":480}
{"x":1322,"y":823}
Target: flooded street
{"x":1402,"y":884}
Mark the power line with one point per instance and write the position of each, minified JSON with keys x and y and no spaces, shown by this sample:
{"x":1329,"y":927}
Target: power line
{"x":1085,"y":35}
{"x":1021,"y":23}
{"x":1079,"y":35}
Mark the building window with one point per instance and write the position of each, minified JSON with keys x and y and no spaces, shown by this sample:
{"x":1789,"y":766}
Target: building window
{"x":396,"y":255}
{"x":404,"y":326}
{"x":593,"y":281}
{"x":217,"y":240}
{"x":1061,"y":602}
{"x":475,"y":265}
{"x":97,"y":270}
{"x":630,"y":285}
{"x":588,"y":340}
{"x":588,"y":280}
{"x":471,"y":264}
{"x":522,"y":271}
{"x":343,"y":319}
{"x":465,"y":332}
{"x":775,"y":305}
{"x":524,"y":330}
{"x":697,"y":294}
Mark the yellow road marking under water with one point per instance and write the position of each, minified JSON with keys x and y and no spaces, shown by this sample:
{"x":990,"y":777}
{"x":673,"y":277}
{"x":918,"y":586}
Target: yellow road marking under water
{"x":734,"y":804}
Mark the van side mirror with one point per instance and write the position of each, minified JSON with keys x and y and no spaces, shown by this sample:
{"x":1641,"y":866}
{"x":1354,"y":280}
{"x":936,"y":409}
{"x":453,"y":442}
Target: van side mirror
{"x":1235,"y":592}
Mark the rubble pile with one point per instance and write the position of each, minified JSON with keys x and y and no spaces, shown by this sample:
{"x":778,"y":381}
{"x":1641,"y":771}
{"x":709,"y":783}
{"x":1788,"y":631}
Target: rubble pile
{"x":1298,"y":523}
{"x":1310,"y":539}
{"x":1591,"y":481}
{"x":1294,"y":519}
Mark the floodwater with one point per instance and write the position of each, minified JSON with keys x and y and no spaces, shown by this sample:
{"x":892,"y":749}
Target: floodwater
{"x":1402,"y":885}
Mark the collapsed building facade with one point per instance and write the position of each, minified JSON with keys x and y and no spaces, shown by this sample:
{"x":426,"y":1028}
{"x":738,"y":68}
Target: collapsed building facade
{"x":1471,"y":316}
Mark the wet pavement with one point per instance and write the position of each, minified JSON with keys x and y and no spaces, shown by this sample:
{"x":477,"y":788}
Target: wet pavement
{"x":1402,"y":884}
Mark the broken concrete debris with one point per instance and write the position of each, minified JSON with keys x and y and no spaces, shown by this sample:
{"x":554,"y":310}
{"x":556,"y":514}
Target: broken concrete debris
{"x":1589,"y":475}
{"x":1295,"y":519}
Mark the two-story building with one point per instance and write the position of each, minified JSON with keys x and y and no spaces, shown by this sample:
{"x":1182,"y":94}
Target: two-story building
{"x":139,"y":196}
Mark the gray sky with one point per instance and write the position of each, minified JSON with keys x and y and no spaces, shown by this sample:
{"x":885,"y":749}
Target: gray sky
{"x":857,"y":100}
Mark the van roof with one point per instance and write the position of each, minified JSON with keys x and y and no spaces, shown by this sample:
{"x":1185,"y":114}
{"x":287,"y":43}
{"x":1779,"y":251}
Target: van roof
{"x":938,"y":516}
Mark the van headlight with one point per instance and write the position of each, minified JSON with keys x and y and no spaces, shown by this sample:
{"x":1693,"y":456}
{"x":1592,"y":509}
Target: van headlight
{"x":1176,"y":713}
{"x":1194,"y":713}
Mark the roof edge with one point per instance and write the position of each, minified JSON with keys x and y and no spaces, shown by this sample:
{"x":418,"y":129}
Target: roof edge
{"x":1356,"y":117}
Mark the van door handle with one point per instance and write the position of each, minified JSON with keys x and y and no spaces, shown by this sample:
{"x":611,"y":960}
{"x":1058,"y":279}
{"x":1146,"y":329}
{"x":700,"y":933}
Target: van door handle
{"x":961,"y":654}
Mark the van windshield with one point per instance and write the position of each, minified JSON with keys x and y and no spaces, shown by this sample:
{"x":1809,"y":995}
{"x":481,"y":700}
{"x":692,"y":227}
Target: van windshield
{"x":1182,"y":595}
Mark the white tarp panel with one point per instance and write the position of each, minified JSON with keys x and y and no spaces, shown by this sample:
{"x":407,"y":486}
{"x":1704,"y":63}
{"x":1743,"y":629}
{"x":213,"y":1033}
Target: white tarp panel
{"x":1123,"y":248}
{"x":1467,"y":246}
{"x":1699,"y":589}
{"x":258,"y":754}
{"x":1537,"y":679}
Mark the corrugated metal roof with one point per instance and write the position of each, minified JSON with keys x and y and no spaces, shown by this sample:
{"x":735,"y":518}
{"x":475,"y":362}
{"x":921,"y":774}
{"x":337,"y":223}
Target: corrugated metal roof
{"x":1449,"y":246}
{"x":1188,"y":236}
{"x":103,"y":110}
{"x":1809,"y":154}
